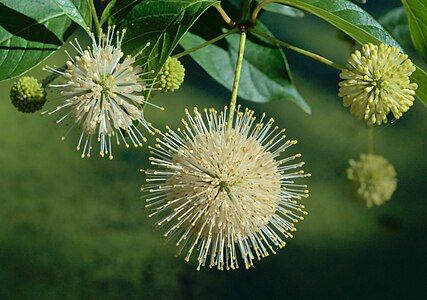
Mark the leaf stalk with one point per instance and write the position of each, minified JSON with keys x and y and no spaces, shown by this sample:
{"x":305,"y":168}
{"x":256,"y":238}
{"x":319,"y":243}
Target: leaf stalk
{"x":258,"y":8}
{"x":205,"y":44}
{"x":304,"y":52}
{"x":224,"y":14}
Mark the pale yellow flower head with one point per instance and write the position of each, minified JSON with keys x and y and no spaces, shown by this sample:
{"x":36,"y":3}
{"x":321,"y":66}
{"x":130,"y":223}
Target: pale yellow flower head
{"x":376,"y":81}
{"x":374,"y":177}
{"x":226,"y":195}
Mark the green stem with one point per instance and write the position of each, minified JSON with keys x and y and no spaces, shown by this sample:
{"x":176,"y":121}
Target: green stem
{"x":258,"y":8}
{"x":224,"y":15}
{"x":95,"y":18}
{"x":207,"y":43}
{"x":312,"y":55}
{"x":237,"y":73}
{"x":49,"y":79}
{"x":370,"y":140}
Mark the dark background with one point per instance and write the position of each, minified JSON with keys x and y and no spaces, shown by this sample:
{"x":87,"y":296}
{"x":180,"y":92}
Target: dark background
{"x":73,"y":228}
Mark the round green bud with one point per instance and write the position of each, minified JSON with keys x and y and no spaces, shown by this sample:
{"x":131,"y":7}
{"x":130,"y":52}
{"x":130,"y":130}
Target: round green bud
{"x":27,"y":94}
{"x":171,"y":76}
{"x":374,"y":178}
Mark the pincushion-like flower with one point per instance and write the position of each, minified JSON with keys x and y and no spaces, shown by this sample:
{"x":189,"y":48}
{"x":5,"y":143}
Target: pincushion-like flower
{"x":103,"y":94}
{"x":376,"y":81}
{"x":171,"y":76}
{"x":225,"y":191}
{"x":374,"y":177}
{"x":27,"y":94}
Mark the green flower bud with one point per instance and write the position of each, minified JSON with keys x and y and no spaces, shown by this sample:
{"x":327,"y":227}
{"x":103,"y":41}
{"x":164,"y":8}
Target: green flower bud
{"x":171,"y":76}
{"x":374,"y":178}
{"x":27,"y":94}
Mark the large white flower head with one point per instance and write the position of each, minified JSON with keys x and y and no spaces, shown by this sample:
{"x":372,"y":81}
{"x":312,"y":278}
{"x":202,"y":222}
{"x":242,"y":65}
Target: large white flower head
{"x":104,"y":94}
{"x":376,"y":81}
{"x":226,"y":192}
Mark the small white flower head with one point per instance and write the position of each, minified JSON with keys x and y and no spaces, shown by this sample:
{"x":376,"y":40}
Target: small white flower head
{"x":225,"y":193}
{"x":376,"y":81}
{"x":103,"y":92}
{"x":374,"y":178}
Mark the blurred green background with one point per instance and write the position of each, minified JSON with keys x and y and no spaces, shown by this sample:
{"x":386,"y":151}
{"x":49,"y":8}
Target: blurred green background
{"x":77,"y":229}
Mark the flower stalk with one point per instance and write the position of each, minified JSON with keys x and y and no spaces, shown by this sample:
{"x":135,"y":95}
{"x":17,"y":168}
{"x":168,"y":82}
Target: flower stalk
{"x":237,"y":74}
{"x":96,"y":22}
{"x":370,"y":140}
{"x":49,"y":79}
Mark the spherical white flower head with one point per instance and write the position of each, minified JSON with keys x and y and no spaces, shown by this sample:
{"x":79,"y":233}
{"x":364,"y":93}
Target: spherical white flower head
{"x":103,"y":94}
{"x":376,"y":81}
{"x":226,"y":192}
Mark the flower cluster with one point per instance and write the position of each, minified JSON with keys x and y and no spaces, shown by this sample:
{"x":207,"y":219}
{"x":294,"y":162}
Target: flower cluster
{"x":374,"y":177}
{"x":226,"y":191}
{"x":103,"y":93}
{"x":171,"y":76}
{"x":28,"y":95}
{"x":377,"y":81}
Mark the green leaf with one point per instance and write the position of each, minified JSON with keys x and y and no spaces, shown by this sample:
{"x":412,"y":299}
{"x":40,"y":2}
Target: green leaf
{"x":78,"y":11}
{"x":396,"y":22}
{"x":348,"y":17}
{"x":117,"y":8}
{"x":265,"y":74}
{"x":29,"y":34}
{"x":417,"y":18}
{"x":358,"y":24}
{"x":283,"y":10}
{"x":162,"y":23}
